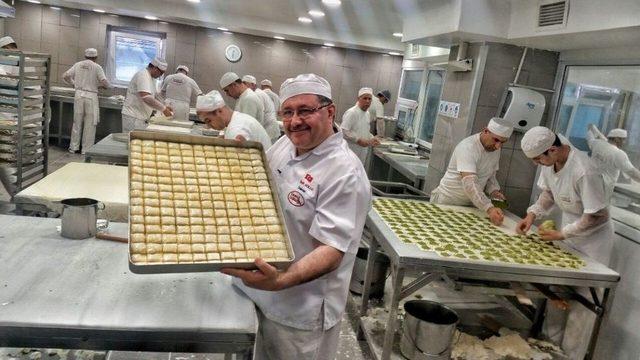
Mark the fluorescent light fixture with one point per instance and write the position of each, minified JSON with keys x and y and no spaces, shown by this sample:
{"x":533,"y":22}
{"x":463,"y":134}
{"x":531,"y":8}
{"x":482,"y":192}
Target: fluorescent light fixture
{"x":316,"y":13}
{"x":34,"y":1}
{"x":329,"y":44}
{"x":385,"y":54}
{"x":194,"y":1}
{"x":55,"y":8}
{"x":227,"y":32}
{"x":163,"y":22}
{"x":304,"y":19}
{"x":398,"y":35}
{"x":223,"y":29}
{"x":75,"y":15}
{"x":278,"y":37}
{"x":150,"y":17}
{"x":332,"y":2}
{"x":99,"y":11}
{"x":394,"y":53}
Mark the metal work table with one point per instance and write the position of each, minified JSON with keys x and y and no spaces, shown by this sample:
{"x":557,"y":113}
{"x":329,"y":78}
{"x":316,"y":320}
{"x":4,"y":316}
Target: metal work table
{"x":108,"y":150}
{"x":430,"y":266}
{"x":412,"y":167}
{"x":63,"y":293}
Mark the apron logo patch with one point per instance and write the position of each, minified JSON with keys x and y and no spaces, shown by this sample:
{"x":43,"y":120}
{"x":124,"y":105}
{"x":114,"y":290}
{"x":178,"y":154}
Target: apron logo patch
{"x":308,"y":177}
{"x":295,"y":198}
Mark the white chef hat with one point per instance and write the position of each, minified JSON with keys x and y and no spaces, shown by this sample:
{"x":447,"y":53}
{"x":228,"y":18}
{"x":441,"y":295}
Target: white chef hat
{"x":159,"y":63}
{"x":305,"y":84}
{"x":501,"y":127}
{"x":6,"y":41}
{"x":537,"y":140}
{"x":364,"y":91}
{"x":183,"y":67}
{"x":210,"y":102}
{"x":249,"y":79}
{"x":617,"y":133}
{"x":91,"y":53}
{"x":266,"y":82}
{"x":228,"y":79}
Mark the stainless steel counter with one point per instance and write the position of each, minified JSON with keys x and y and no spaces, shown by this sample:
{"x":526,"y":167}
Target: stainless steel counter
{"x":57,"y":292}
{"x":108,"y":150}
{"x":412,"y":167}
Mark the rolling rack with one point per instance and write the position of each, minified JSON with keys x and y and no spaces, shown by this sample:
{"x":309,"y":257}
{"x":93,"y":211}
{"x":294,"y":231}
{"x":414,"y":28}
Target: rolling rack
{"x":24,"y":118}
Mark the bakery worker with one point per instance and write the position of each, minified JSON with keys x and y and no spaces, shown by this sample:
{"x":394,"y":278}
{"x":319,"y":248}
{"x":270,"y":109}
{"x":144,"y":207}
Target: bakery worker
{"x":471,"y":173}
{"x":8,"y":43}
{"x":213,"y":111}
{"x":355,"y":126}
{"x":247,"y":101}
{"x":569,"y":180}
{"x":270,"y":122}
{"x":609,"y":157}
{"x":141,"y":97}
{"x":177,"y":90}
{"x":376,"y":111}
{"x":86,"y":76}
{"x":325,"y":195}
{"x":267,"y":87}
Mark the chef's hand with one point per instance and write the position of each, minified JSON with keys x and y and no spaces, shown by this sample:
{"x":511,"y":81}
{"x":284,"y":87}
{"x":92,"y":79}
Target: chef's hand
{"x":495,"y":215}
{"x":550,"y":235}
{"x":265,"y":278}
{"x":496,"y":194}
{"x":362,"y":142}
{"x":525,"y":224}
{"x":168,"y":111}
{"x":240,"y":139}
{"x":374,"y":142}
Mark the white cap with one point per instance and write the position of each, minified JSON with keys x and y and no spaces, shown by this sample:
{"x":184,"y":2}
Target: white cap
{"x":501,"y":127}
{"x":305,"y":84}
{"x":537,"y":140}
{"x":249,"y":79}
{"x":266,"y":82}
{"x":228,"y":79}
{"x":91,"y":53}
{"x":617,"y":133}
{"x":183,"y":67}
{"x":159,"y":63}
{"x":210,"y":102}
{"x":364,"y":91}
{"x":6,"y":41}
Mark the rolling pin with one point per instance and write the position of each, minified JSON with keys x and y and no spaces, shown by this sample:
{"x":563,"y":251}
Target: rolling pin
{"x":106,"y":236}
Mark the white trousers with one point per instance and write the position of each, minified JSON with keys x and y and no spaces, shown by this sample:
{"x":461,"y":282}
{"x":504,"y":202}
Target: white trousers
{"x":275,"y":341}
{"x":85,"y":119}
{"x":130,"y":123}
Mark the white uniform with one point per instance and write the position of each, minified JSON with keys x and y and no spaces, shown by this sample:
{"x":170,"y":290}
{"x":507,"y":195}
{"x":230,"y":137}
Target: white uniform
{"x":248,"y":127}
{"x":178,"y":89}
{"x":326,"y":196}
{"x":250,"y":103}
{"x":376,"y":112}
{"x":87,"y":76}
{"x":471,"y":157}
{"x":135,"y":112}
{"x":355,"y":124}
{"x":274,"y":98}
{"x":611,"y":161}
{"x":270,"y":121}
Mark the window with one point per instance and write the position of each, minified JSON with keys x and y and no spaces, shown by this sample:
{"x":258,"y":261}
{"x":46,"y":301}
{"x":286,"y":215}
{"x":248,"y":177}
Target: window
{"x":435,"y":82}
{"x":130,"y":50}
{"x":411,"y":80}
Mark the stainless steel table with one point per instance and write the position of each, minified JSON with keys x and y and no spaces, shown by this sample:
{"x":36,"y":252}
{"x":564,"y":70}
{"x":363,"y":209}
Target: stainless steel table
{"x":62,"y":293}
{"x":540,"y":281}
{"x":108,"y":150}
{"x":412,"y":167}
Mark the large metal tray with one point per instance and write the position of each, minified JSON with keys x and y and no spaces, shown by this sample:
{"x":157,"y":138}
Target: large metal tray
{"x":208,"y":266}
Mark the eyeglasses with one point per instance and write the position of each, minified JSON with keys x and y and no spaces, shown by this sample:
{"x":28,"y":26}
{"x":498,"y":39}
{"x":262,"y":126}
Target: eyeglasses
{"x":302,"y":113}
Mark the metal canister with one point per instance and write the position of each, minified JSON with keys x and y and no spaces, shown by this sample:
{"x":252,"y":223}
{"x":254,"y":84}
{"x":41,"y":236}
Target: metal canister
{"x":428,"y":330}
{"x":79,"y":217}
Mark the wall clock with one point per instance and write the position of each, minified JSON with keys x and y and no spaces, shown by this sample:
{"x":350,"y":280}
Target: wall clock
{"x":233,"y":53}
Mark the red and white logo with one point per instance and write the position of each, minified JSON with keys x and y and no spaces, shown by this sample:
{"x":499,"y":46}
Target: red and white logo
{"x":308,"y":177}
{"x":295,"y":198}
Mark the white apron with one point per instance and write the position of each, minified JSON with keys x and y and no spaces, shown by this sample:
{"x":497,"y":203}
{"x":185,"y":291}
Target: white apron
{"x":180,"y":109}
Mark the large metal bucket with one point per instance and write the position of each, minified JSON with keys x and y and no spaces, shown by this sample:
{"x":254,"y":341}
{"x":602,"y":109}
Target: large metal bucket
{"x":79,"y":218}
{"x":427,"y":330}
{"x":380,"y":267}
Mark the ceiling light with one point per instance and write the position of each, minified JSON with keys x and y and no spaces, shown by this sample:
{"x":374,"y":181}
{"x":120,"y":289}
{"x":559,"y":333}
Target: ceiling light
{"x":223,"y":29}
{"x":332,"y":2}
{"x":75,"y":15}
{"x":316,"y":13}
{"x":277,"y":37}
{"x":55,"y":8}
{"x":399,"y":35}
{"x":163,"y":22}
{"x":394,"y":53}
{"x":329,"y":44}
{"x":34,"y":1}
{"x":193,"y":1}
{"x":99,"y":11}
{"x":304,"y":19}
{"x":227,"y":32}
{"x":150,"y":17}
{"x":114,"y":15}
{"x":385,"y":54}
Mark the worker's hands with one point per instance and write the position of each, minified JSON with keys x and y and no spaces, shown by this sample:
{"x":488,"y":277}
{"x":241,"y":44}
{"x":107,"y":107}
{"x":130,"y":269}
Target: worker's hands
{"x":525,"y":224}
{"x":550,"y":235}
{"x":495,"y":215}
{"x":168,"y":111}
{"x":362,"y":142}
{"x":240,"y":139}
{"x":265,"y":278}
{"x":496,"y":194}
{"x":374,"y":141}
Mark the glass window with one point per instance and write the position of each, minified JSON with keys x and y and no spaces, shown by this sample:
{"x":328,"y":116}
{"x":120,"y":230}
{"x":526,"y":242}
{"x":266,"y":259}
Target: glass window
{"x":435,"y":82}
{"x":129,"y":51}
{"x":411,"y":80}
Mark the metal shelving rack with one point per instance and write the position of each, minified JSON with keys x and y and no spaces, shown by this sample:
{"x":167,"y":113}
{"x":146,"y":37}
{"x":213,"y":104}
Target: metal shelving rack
{"x":24,"y":117}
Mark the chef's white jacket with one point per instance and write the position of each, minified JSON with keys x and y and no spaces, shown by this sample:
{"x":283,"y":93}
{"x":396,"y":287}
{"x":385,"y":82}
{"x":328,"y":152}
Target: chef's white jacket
{"x":247,"y":127}
{"x":134,"y":106}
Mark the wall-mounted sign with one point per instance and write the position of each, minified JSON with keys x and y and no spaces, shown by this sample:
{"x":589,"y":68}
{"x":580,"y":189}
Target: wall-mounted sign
{"x":449,"y":109}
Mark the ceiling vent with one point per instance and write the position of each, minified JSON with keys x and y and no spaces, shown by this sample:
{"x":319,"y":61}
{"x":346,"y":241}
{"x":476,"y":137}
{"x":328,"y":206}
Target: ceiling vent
{"x":552,"y":14}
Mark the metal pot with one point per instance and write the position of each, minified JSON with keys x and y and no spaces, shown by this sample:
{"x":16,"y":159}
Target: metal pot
{"x":79,"y":217}
{"x":428,"y":330}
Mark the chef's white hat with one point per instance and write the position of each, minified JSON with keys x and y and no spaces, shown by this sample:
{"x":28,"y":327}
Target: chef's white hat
{"x":305,"y":84}
{"x":249,"y":79}
{"x":266,"y":82}
{"x":617,"y":133}
{"x":183,"y":68}
{"x":365,"y":91}
{"x":91,"y":53}
{"x":228,"y":79}
{"x":159,"y":63}
{"x":537,"y":140}
{"x":500,"y":127}
{"x":210,"y":102}
{"x":6,"y":41}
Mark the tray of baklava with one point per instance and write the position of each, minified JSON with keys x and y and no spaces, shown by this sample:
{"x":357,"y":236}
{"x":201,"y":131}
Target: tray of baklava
{"x":199,"y":203}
